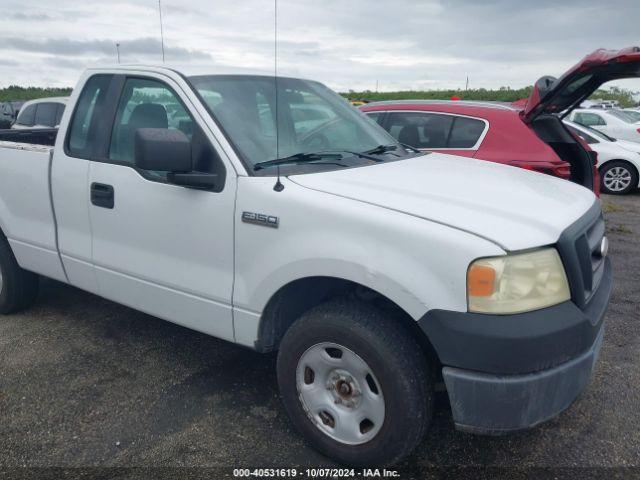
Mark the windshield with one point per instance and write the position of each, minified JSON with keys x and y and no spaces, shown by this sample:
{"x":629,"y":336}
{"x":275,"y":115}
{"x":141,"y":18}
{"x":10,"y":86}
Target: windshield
{"x":310,"y":119}
{"x":624,"y":116}
{"x":598,"y":133}
{"x":633,"y":114}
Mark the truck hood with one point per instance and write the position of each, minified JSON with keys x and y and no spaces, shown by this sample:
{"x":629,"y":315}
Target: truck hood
{"x":512,"y":207}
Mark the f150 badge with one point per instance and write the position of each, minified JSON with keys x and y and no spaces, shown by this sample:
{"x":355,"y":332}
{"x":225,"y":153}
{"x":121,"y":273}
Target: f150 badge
{"x":260,"y":219}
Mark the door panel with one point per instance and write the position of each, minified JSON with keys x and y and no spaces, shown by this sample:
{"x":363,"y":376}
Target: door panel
{"x":161,"y":248}
{"x":164,"y":249}
{"x":71,"y":202}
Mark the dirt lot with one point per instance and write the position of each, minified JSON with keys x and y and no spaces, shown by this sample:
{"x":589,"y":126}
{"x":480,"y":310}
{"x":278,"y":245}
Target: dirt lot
{"x":85,"y":382}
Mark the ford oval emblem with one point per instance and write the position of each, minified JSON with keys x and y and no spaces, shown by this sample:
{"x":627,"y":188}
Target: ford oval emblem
{"x":604,"y":247}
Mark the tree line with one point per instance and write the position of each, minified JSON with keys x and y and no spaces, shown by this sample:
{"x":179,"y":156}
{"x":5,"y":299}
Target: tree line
{"x":15,"y":92}
{"x":504,"y":94}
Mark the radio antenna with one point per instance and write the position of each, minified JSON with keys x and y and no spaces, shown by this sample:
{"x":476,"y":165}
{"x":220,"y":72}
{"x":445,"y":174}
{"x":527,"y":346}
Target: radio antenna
{"x":278,"y":187}
{"x":161,"y":30}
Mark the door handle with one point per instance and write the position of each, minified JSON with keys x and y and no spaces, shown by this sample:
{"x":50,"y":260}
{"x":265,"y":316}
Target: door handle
{"x":102,"y":195}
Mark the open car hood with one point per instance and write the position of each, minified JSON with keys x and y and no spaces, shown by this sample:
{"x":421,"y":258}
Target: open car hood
{"x":553,"y":95}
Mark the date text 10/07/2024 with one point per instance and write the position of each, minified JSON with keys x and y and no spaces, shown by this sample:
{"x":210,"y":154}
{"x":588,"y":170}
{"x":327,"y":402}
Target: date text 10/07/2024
{"x":315,"y":473}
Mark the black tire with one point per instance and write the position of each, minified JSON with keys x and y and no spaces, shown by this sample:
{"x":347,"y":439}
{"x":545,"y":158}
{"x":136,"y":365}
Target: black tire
{"x":619,"y":164}
{"x":19,"y":288}
{"x":395,"y":359}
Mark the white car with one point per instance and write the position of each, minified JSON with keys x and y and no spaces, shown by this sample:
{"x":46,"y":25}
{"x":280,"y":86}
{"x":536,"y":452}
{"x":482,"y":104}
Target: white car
{"x":41,"y":113}
{"x":615,"y":123}
{"x":618,"y":160}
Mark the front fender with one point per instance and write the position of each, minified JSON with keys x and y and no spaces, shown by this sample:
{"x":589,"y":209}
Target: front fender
{"x":366,"y":275}
{"x":417,"y":264}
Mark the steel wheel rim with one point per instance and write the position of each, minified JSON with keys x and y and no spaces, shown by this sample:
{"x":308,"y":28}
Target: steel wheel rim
{"x":617,"y":179}
{"x":342,"y":397}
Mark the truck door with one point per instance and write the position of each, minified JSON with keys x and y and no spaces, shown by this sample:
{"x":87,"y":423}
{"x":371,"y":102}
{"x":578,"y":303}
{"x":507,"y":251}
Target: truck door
{"x":160,"y":248}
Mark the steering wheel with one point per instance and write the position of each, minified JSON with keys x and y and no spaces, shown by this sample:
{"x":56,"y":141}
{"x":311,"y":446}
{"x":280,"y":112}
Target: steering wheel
{"x":316,"y":142}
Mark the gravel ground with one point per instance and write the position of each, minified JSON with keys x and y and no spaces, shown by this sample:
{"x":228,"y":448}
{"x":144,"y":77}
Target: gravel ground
{"x":88,"y":383}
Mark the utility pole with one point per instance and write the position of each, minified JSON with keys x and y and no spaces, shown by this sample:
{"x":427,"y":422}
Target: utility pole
{"x":376,"y":86}
{"x":466,"y":87}
{"x":161,"y":30}
{"x":118,"y":52}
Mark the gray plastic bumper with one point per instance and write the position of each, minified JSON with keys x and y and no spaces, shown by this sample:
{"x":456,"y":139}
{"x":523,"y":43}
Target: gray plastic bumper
{"x":496,"y":404}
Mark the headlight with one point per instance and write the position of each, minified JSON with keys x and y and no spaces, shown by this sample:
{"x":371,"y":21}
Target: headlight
{"x":517,"y":283}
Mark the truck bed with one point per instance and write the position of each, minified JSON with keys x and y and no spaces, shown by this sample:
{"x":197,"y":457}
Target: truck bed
{"x":39,"y":136}
{"x":26,"y":213}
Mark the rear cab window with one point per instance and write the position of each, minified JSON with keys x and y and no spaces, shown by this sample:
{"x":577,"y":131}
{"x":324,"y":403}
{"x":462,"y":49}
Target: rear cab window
{"x":46,"y":114}
{"x":89,"y":108}
{"x":27,"y":116}
{"x":59,"y":113}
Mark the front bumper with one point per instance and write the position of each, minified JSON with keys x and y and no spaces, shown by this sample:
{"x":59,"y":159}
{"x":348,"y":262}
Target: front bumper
{"x":510,"y":372}
{"x":496,"y":404}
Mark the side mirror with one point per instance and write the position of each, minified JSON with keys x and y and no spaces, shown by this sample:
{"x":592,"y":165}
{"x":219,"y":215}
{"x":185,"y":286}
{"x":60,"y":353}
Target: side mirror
{"x":165,"y":150}
{"x":162,"y":149}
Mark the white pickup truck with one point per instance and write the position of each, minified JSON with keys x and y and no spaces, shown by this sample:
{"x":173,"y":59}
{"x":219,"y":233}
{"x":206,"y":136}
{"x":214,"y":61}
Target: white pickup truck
{"x":268,"y":212}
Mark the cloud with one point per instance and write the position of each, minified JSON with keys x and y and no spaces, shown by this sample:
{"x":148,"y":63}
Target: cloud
{"x":65,"y":47}
{"x":31,"y":17}
{"x":398,"y":44}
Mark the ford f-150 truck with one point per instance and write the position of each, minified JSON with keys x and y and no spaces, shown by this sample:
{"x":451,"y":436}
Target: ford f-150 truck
{"x":268,"y":212}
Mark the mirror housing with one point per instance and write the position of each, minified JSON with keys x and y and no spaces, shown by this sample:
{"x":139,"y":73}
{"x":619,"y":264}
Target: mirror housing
{"x":165,"y":150}
{"x":162,"y":149}
{"x":199,"y":180}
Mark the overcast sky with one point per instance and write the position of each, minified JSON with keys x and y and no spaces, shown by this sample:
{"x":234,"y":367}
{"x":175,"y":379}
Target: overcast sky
{"x":347,"y":44}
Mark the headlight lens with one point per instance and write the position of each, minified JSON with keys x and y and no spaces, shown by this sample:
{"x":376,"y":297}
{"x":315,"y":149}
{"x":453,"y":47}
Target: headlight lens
{"x":517,"y":283}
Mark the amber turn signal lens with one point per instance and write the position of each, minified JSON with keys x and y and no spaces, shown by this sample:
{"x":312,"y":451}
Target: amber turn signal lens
{"x":481,"y":280}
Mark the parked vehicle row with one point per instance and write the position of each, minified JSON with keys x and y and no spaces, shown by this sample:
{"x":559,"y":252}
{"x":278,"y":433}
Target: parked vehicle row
{"x":618,"y":160}
{"x":614,"y":122}
{"x":9,"y":113}
{"x":34,"y":114}
{"x":497,"y":132}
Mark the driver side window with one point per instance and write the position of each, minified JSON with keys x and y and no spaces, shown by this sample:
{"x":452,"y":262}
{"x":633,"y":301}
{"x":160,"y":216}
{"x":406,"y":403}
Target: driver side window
{"x":147,"y":103}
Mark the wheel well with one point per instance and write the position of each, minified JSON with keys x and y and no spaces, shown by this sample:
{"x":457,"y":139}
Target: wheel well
{"x":299,"y":296}
{"x":619,"y":160}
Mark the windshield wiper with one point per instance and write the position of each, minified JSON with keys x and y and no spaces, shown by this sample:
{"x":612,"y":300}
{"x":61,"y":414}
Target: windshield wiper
{"x":413,"y":149}
{"x":380,"y":149}
{"x":297,"y":158}
{"x":301,"y":158}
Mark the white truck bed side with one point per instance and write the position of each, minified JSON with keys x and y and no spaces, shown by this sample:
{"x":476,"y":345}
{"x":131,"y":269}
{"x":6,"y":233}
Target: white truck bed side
{"x":26,"y":216}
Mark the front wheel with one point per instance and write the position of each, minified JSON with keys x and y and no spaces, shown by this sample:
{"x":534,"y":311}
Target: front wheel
{"x":355,"y":383}
{"x":618,"y":177}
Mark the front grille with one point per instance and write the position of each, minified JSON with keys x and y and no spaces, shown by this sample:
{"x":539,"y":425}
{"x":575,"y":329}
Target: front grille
{"x":579,"y":247}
